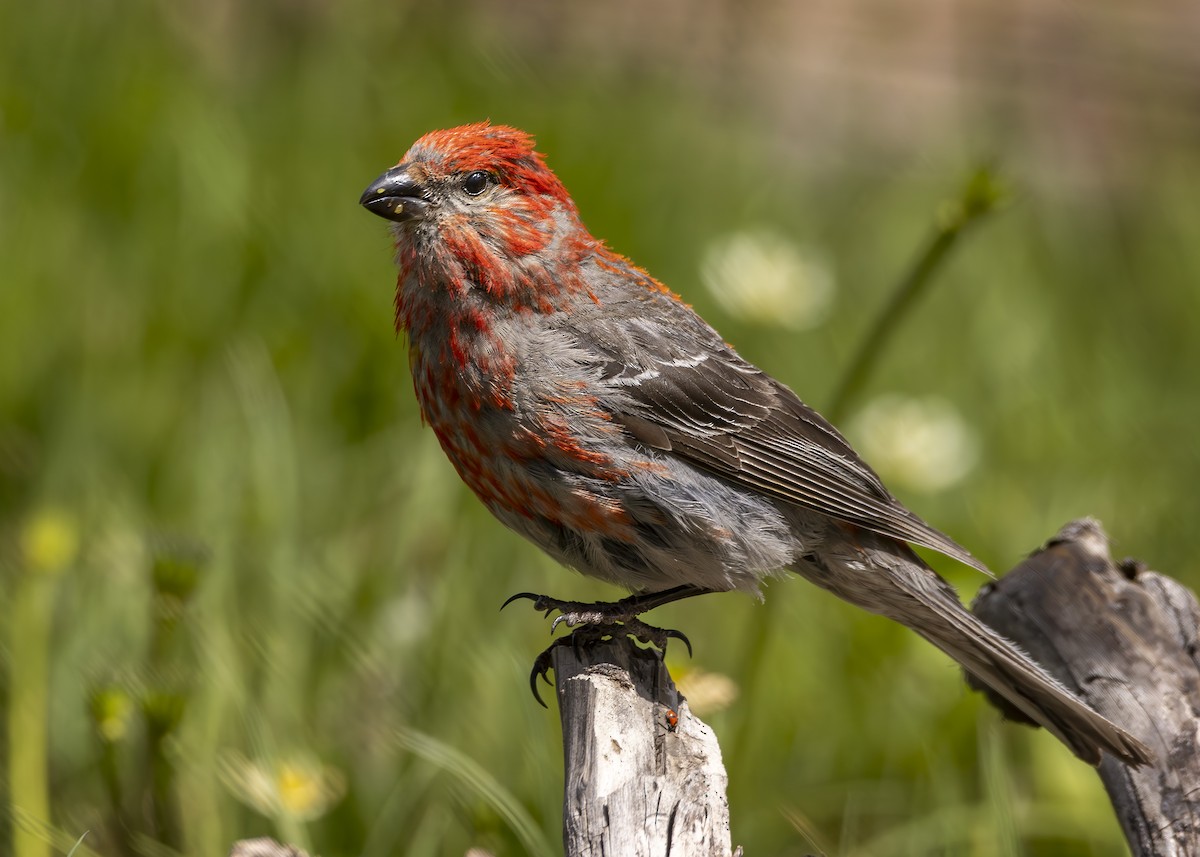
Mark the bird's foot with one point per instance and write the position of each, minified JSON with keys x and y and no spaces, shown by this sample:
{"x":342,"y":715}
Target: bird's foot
{"x":593,"y":622}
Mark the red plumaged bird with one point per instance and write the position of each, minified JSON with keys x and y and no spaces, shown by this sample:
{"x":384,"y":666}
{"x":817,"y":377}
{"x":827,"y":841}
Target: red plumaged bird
{"x":600,"y":417}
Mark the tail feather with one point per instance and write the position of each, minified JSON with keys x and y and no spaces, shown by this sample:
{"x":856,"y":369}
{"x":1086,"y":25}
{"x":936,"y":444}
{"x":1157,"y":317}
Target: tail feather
{"x":896,"y":583}
{"x":1001,"y":665}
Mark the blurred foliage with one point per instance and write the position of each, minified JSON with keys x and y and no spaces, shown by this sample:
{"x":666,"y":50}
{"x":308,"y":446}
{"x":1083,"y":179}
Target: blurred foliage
{"x":242,"y":593}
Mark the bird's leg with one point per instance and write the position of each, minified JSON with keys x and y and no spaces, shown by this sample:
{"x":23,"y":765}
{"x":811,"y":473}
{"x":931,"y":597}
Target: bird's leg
{"x":576,"y":613}
{"x":599,"y":620}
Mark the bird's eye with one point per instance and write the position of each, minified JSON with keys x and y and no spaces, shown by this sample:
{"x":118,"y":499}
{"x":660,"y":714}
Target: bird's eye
{"x":476,"y":182}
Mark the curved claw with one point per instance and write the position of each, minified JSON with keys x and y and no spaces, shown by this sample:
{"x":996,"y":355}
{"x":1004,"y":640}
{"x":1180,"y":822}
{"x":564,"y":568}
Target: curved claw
{"x":533,"y":677}
{"x":679,"y":635}
{"x":530,"y":595}
{"x":601,"y":620}
{"x":541,"y":667}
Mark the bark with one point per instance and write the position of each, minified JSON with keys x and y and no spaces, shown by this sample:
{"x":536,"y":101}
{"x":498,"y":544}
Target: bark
{"x":1125,"y":640}
{"x":635,"y":785}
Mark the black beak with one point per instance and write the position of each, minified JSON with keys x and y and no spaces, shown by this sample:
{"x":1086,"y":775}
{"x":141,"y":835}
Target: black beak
{"x":395,"y":195}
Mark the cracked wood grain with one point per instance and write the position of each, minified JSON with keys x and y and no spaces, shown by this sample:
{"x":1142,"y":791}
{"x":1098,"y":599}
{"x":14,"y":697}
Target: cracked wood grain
{"x":1124,"y":638}
{"x":633,"y":785}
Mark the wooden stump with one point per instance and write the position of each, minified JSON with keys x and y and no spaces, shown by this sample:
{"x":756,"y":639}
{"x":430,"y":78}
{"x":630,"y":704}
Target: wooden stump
{"x":639,"y":783}
{"x":1125,"y":640}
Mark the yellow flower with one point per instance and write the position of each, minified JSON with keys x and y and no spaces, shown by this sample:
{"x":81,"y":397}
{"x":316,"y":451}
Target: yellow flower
{"x":49,"y":541}
{"x":305,"y":790}
{"x":111,"y":710}
{"x":298,"y":786}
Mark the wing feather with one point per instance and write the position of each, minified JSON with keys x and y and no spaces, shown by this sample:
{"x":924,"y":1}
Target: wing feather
{"x":725,"y":415}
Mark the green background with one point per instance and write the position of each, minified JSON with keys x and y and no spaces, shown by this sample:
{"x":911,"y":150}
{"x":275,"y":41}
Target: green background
{"x":244,"y":594}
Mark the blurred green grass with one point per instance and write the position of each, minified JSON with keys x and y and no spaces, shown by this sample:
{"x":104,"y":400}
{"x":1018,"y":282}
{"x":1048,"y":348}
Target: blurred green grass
{"x":253,"y":577}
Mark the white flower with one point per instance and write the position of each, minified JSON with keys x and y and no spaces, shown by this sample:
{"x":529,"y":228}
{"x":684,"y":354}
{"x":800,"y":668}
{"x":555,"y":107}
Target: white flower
{"x":760,"y":276}
{"x":921,"y":443}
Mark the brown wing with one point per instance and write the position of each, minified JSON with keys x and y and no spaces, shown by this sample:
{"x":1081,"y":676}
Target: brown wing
{"x":723,"y":414}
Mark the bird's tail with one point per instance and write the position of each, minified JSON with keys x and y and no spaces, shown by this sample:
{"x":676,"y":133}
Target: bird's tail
{"x":1003,"y":667}
{"x":913,"y":594}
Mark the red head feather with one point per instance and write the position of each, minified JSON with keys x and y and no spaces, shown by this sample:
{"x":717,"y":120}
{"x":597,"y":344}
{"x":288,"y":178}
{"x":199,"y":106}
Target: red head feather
{"x":492,"y":148}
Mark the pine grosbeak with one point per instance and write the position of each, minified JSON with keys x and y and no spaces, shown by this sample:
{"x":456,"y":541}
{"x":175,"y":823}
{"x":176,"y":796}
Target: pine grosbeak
{"x":600,"y":417}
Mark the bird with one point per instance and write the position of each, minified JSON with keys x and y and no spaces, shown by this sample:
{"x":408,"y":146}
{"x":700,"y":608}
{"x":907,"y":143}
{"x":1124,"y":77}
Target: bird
{"x":596,"y":414}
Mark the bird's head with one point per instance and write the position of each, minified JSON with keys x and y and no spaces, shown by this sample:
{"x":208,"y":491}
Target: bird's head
{"x":483,"y":177}
{"x":476,"y":210}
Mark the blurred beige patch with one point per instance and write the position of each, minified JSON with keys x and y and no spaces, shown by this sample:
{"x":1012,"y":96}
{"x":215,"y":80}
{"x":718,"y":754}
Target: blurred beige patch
{"x":760,"y":276}
{"x":920,"y":443}
{"x":706,"y":692}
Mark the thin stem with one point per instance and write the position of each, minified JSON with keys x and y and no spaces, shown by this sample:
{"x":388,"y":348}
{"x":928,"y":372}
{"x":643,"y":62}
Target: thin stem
{"x":29,"y":711}
{"x":981,"y":195}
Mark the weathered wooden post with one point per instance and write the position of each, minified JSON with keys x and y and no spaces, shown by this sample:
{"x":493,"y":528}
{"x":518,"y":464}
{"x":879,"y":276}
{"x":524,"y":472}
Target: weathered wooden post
{"x":643,"y":776}
{"x":1125,"y":640}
